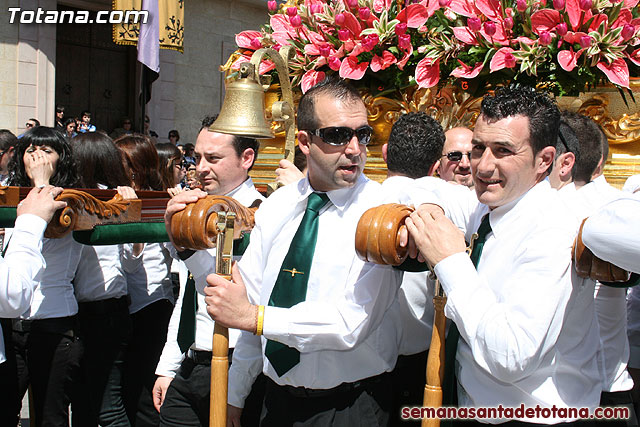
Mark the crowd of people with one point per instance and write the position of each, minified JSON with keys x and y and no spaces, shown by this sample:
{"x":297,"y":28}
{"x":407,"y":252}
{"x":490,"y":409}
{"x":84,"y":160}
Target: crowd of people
{"x":319,"y":336}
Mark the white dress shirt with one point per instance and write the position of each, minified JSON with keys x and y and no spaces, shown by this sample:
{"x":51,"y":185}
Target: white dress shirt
{"x":341,"y":329}
{"x":201,"y":264}
{"x":528,"y":332}
{"x":613,"y":234}
{"x":53,"y":296}
{"x":148,"y":275}
{"x":415,"y":296}
{"x":20,"y":269}
{"x":632,"y":184}
{"x":610,"y":302}
{"x":100,"y":275}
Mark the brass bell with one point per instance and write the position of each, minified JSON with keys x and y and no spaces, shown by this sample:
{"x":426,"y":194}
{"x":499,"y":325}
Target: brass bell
{"x":243,"y":110}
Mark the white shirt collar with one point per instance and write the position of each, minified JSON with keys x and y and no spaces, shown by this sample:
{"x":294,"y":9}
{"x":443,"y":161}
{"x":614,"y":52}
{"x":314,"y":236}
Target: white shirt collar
{"x":340,"y":198}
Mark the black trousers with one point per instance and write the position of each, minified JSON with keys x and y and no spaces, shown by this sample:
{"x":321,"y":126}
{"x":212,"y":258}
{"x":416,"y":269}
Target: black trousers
{"x":409,"y":378}
{"x":147,"y":341}
{"x":105,"y":331}
{"x":10,"y":401}
{"x":367,"y":405}
{"x":48,"y":361}
{"x":187,"y":400}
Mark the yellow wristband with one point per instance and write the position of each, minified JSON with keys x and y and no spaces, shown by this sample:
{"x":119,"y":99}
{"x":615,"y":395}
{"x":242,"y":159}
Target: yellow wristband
{"x":260,"y":322}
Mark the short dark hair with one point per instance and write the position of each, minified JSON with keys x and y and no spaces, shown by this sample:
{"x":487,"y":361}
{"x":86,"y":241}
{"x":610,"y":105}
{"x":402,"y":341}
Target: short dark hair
{"x":169,"y":155}
{"x":605,"y":145}
{"x":86,"y":113}
{"x":240,"y":143}
{"x":299,"y":159}
{"x":7,"y":139}
{"x":538,"y":107}
{"x":65,"y":174}
{"x":414,"y":145}
{"x":36,"y":121}
{"x":335,"y":87}
{"x":59,"y":108}
{"x":98,"y":160}
{"x":589,"y":138}
{"x":175,"y":133}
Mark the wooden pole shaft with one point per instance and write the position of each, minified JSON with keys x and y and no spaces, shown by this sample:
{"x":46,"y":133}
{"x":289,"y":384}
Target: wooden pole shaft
{"x":219,"y":375}
{"x":435,"y":362}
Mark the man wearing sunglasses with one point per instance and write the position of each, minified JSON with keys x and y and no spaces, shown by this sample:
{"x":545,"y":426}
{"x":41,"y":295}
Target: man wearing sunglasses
{"x":455,"y":162}
{"x":328,"y":351}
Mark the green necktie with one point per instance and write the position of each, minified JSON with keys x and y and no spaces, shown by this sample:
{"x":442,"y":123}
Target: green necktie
{"x":187,"y":326}
{"x":449,"y":392}
{"x":291,"y":285}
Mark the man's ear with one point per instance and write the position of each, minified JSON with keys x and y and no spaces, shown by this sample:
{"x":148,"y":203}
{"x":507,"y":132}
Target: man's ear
{"x":546,"y":156}
{"x":434,"y":167}
{"x":304,"y":142}
{"x":246,"y":159}
{"x":566,"y":164}
{"x":384,"y":152}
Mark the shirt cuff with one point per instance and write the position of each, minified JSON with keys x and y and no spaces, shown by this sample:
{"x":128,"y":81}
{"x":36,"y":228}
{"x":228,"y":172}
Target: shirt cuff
{"x":276,"y":325}
{"x":31,"y":224}
{"x":239,"y":387}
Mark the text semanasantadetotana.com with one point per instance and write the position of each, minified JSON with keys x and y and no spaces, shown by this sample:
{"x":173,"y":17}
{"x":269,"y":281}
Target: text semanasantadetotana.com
{"x":41,"y":16}
{"x":519,"y":412}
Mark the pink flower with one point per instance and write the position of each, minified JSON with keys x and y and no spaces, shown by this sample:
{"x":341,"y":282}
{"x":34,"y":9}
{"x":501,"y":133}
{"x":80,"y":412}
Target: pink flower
{"x":334,"y":63}
{"x":351,"y":69}
{"x":444,"y":3}
{"x":428,"y":72}
{"x":404,"y":41}
{"x":545,"y":38}
{"x":343,"y":35}
{"x":561,"y":29}
{"x":503,"y":58}
{"x":617,"y":72}
{"x":627,"y":32}
{"x":585,"y":4}
{"x":380,"y":5}
{"x":256,"y":43}
{"x":585,"y":41}
{"x":559,"y":4}
{"x":292,"y":11}
{"x":401,"y":28}
{"x":340,"y":19}
{"x":508,"y":23}
{"x":352,"y":3}
{"x":369,"y":42}
{"x":310,"y":79}
{"x":474,"y":24}
{"x":272,"y":5}
{"x":316,"y":8}
{"x":364,"y":13}
{"x":490,"y":28}
{"x":415,"y":15}
{"x":325,"y":50}
{"x":296,"y":21}
{"x":467,"y":72}
{"x":568,"y":59}
{"x":521,"y":5}
{"x":383,"y":62}
{"x":245,"y":39}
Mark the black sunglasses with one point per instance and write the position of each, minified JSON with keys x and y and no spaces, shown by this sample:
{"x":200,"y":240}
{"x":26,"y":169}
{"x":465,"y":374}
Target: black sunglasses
{"x":341,"y":135}
{"x":456,"y":156}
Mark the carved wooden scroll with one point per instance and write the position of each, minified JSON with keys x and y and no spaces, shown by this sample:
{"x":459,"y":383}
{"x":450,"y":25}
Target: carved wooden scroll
{"x":84,"y":211}
{"x":195,"y":226}
{"x":378,"y":234}
{"x":590,"y":266}
{"x":9,"y":196}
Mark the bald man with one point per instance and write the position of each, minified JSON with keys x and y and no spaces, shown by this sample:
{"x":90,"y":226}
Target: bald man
{"x":455,"y":163}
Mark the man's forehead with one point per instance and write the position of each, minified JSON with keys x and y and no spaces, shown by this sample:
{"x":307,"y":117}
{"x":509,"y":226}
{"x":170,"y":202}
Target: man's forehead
{"x":208,"y":140}
{"x":331,"y":111}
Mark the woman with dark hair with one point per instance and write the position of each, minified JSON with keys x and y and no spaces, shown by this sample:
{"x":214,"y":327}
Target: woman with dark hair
{"x":172,"y":169}
{"x":44,"y":337}
{"x":60,"y":118}
{"x":69,"y":128}
{"x":147,"y":269}
{"x":104,"y":323}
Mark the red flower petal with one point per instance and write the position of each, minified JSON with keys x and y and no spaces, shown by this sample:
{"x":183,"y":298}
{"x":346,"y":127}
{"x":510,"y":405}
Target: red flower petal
{"x":464,"y":35}
{"x":244,"y":38}
{"x":414,"y":15}
{"x":466,"y":72}
{"x":545,"y":20}
{"x":428,"y":72}
{"x":310,"y":79}
{"x":568,"y":59}
{"x":617,"y":72}
{"x":498,"y":60}
{"x":351,"y":69}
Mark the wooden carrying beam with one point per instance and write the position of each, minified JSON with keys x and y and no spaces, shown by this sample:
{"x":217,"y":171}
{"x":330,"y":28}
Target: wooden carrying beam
{"x":87,"y":208}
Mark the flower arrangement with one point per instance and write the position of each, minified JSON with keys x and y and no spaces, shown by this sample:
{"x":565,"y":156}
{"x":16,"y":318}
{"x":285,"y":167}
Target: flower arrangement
{"x":387,"y":45}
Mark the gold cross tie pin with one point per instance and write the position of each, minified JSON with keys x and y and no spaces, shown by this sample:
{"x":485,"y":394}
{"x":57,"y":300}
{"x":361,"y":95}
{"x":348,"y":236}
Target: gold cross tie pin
{"x":293,"y":271}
